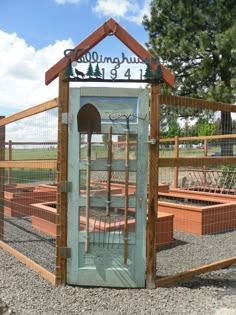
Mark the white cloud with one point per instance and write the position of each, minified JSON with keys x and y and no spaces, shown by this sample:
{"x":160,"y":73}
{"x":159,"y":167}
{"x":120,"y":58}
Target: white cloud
{"x":130,"y":10}
{"x":40,"y":128}
{"x":22,"y":84}
{"x":22,"y":71}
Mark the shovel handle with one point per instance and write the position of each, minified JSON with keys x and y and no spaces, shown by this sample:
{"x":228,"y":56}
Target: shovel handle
{"x":109,"y":161}
{"x":89,"y":136}
{"x":126,"y":196}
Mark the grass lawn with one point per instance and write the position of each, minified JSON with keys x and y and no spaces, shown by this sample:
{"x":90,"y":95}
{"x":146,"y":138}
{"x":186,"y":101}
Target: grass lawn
{"x":28,"y":154}
{"x":98,"y":151}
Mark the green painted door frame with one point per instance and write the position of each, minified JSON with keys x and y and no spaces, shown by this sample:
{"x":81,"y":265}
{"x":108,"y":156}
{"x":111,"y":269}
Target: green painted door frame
{"x":103,"y":264}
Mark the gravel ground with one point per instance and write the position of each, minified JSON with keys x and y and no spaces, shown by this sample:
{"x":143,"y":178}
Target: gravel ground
{"x":28,"y":294}
{"x":24,"y":292}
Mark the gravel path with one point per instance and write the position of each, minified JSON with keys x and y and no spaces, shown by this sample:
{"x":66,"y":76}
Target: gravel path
{"x":24,"y":292}
{"x":28,"y":294}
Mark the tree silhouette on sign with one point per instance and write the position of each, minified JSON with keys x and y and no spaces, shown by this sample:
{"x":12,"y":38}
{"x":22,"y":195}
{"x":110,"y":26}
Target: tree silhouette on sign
{"x":97,"y":72}
{"x":158,"y":73}
{"x":90,"y":70}
{"x":69,"y":70}
{"x":148,"y":73}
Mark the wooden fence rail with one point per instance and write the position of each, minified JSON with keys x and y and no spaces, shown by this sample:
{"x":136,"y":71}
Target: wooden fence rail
{"x":203,"y":161}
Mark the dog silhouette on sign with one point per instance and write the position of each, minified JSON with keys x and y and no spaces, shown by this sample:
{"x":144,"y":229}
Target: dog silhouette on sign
{"x":79,"y":73}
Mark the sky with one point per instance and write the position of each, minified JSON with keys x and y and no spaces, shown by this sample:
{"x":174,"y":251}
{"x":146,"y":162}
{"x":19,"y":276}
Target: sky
{"x":35,"y":33}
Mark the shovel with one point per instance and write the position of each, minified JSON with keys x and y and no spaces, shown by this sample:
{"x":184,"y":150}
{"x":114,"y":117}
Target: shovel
{"x":89,"y":121}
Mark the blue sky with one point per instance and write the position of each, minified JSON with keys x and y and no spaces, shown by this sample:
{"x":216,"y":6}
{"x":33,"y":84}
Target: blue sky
{"x":42,"y":22}
{"x":34,"y":34}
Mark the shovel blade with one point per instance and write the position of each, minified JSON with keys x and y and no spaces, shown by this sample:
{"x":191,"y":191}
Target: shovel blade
{"x":89,"y":119}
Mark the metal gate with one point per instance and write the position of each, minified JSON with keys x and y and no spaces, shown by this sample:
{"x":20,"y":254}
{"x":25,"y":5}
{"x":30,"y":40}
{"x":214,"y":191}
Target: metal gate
{"x":107,"y":200}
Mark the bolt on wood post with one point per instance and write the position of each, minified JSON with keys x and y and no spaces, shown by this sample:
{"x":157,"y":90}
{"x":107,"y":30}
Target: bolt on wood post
{"x":153,"y":186}
{"x":62,"y":163}
{"x":2,"y":158}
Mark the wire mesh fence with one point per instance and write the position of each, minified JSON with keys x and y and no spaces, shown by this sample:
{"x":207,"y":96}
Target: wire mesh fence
{"x":29,"y":187}
{"x":197,"y":163}
{"x":196,"y":208}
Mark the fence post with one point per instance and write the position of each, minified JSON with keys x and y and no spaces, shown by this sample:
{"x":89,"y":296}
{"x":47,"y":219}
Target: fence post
{"x":2,"y":158}
{"x":176,"y":168}
{"x":10,"y":159}
{"x":205,"y":148}
{"x":153,"y":186}
{"x":62,"y":164}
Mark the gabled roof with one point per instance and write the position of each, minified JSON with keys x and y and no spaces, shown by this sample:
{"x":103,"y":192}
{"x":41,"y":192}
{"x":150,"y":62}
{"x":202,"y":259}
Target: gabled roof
{"x":110,"y":27}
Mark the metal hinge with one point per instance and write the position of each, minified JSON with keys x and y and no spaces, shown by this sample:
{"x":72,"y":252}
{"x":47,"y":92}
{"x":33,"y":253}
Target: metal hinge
{"x":65,"y":186}
{"x":66,"y":118}
{"x":65,"y":252}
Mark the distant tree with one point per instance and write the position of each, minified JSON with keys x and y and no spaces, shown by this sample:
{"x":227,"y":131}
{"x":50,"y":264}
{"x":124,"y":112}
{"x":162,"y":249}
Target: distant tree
{"x":173,"y":129}
{"x":196,"y":41}
{"x":206,"y":129}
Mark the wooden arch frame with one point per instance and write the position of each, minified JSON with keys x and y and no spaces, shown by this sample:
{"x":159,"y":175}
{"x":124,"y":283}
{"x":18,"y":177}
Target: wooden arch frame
{"x":110,"y":27}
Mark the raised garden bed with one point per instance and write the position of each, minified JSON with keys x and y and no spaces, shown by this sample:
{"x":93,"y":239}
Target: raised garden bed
{"x":101,"y":191}
{"x":44,"y":219}
{"x":204,"y":195}
{"x":18,"y":199}
{"x":46,"y":187}
{"x":17,"y":188}
{"x":198,"y":214}
{"x":132,"y":187}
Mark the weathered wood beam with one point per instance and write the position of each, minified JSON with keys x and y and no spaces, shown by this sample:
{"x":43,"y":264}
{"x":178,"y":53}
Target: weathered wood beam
{"x":43,"y":164}
{"x":30,"y":111}
{"x":187,"y":275}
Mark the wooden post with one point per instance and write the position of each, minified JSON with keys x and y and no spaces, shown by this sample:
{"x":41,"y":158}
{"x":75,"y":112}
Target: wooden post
{"x":62,"y":159}
{"x":153,"y":184}
{"x":10,"y":159}
{"x":2,"y":158}
{"x":204,"y":166}
{"x":176,"y":169}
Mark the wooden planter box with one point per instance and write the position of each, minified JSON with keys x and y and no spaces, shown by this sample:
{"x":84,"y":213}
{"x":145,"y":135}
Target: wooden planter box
{"x":102,"y":192}
{"x":165,"y":227}
{"x":132,"y":187}
{"x":18,"y":199}
{"x":200,"y":220}
{"x":44,"y":217}
{"x":45,"y":187}
{"x":14,"y":188}
{"x":203,"y":195}
{"x":44,"y":220}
